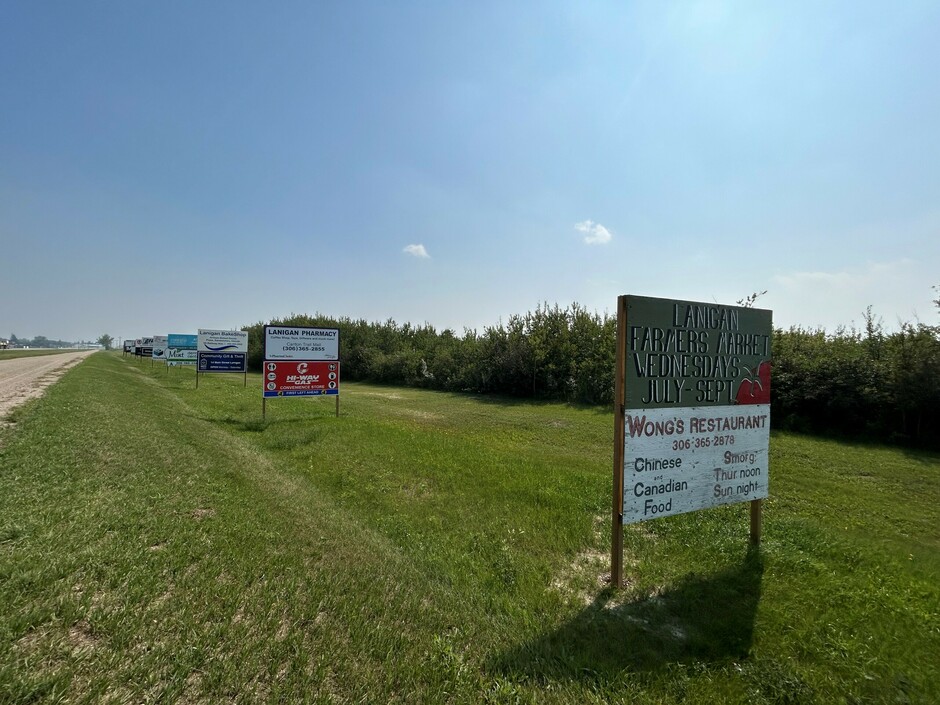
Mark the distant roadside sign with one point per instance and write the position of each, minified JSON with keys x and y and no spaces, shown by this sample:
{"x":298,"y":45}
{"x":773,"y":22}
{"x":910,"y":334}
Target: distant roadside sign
{"x":181,"y":349}
{"x":158,"y":351}
{"x":182,"y":340}
{"x":144,"y":347}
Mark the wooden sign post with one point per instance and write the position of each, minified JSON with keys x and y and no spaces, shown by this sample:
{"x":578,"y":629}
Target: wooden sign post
{"x":691,"y":410}
{"x":616,"y":551}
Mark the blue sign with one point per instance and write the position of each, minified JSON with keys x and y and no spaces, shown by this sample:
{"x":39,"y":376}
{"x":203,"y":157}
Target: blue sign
{"x":179,"y":340}
{"x":222,"y":362}
{"x":302,"y":393}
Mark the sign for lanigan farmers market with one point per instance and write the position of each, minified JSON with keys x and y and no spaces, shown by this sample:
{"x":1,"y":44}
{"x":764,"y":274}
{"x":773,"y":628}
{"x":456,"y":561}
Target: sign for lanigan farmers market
{"x":300,"y":343}
{"x":682,"y":354}
{"x":693,"y":405}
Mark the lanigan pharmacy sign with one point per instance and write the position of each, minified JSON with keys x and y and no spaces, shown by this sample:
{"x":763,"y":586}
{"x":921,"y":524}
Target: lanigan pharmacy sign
{"x":693,"y":407}
{"x":300,"y":361}
{"x":301,"y":343}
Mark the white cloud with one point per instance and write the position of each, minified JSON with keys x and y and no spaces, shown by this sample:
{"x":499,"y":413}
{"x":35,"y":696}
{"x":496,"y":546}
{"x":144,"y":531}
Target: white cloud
{"x":417,"y":251}
{"x":594,"y":233}
{"x":895,"y":290}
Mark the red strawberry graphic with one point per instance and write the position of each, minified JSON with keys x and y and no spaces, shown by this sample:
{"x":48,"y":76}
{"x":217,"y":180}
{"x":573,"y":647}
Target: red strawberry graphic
{"x":755,"y":388}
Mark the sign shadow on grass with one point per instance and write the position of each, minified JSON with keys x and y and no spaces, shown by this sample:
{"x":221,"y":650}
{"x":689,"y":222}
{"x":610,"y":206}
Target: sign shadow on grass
{"x":701,"y":618}
{"x":256,"y":425}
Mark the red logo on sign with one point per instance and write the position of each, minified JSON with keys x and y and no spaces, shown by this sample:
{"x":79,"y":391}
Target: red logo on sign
{"x":301,"y":378}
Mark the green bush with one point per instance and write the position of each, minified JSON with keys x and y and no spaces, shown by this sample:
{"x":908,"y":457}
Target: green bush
{"x":849,"y":382}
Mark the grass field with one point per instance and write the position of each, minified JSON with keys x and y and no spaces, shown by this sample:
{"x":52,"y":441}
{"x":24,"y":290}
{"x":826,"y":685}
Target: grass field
{"x":160,"y":543}
{"x":20,"y":352}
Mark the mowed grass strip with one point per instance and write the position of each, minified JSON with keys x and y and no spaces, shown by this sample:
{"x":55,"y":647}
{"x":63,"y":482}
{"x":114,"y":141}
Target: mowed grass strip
{"x":162,"y":543}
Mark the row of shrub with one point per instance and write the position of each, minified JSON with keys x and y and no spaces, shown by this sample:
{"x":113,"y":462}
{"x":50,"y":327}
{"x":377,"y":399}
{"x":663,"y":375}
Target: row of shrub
{"x":850,"y":382}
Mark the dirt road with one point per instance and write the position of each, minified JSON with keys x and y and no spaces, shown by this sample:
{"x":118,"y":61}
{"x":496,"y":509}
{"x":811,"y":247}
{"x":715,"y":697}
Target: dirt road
{"x":25,"y":378}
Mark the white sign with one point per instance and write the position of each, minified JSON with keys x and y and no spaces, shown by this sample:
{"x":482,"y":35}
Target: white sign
{"x":679,"y":460}
{"x":180,"y":356}
{"x":229,"y":341}
{"x":301,"y":343}
{"x":159,"y":347}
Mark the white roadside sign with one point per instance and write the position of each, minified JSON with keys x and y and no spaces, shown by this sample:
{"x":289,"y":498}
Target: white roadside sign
{"x":230,"y":341}
{"x":301,"y":343}
{"x":689,"y":458}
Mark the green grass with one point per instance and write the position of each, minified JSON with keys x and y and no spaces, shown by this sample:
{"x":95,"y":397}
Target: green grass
{"x":32,"y":352}
{"x":160,"y":543}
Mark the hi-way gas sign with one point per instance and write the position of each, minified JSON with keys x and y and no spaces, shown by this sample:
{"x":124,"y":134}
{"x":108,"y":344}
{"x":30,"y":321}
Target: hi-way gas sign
{"x":300,"y":361}
{"x":300,"y":379}
{"x":300,"y":343}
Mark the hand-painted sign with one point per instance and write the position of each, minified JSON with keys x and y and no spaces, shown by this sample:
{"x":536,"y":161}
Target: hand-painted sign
{"x":300,"y":343}
{"x":682,"y":460}
{"x":181,"y":349}
{"x":681,"y":353}
{"x":221,"y":350}
{"x":296,"y":379}
{"x":696,"y":406}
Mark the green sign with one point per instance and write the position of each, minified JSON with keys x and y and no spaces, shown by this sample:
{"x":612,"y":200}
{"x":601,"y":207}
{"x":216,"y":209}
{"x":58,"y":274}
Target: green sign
{"x":686,"y":353}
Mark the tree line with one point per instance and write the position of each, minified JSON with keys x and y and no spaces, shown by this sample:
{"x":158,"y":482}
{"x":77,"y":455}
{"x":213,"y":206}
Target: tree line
{"x":858,"y":382}
{"x":40,"y":341}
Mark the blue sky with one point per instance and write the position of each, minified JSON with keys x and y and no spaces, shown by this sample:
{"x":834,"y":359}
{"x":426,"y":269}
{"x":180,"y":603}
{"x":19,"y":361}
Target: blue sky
{"x":174,"y":165}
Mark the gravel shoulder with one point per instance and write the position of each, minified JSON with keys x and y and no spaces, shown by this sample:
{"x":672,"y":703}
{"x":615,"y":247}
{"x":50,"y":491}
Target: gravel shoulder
{"x":25,"y":378}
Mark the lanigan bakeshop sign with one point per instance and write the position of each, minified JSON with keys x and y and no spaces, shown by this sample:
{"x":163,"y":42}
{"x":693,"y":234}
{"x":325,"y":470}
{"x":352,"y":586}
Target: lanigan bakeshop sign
{"x":696,"y":406}
{"x":221,"y":350}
